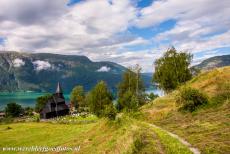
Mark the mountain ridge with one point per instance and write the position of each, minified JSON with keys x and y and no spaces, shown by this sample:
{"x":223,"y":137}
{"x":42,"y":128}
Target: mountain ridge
{"x":41,"y":71}
{"x":214,"y":62}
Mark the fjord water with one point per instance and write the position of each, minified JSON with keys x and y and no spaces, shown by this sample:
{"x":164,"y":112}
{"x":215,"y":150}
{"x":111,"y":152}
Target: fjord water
{"x":22,"y":98}
{"x":29,"y":98}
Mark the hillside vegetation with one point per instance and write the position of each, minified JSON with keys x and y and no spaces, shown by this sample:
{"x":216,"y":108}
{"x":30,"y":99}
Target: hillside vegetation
{"x":206,"y":128}
{"x":124,"y":135}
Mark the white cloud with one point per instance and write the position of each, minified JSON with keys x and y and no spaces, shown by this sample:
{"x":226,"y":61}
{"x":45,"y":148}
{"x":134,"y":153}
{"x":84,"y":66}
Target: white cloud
{"x":98,"y":28}
{"x":104,"y":69}
{"x":87,"y":24}
{"x":201,"y":26}
{"x":163,"y":10}
{"x":18,"y":62}
{"x":41,"y":65}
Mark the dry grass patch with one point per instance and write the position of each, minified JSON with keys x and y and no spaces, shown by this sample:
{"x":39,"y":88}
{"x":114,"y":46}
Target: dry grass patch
{"x":208,"y":128}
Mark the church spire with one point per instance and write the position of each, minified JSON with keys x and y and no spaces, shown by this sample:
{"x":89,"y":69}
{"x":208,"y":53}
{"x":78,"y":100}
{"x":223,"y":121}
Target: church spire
{"x":59,"y":89}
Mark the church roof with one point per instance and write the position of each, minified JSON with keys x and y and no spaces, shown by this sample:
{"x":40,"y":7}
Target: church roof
{"x":59,"y":89}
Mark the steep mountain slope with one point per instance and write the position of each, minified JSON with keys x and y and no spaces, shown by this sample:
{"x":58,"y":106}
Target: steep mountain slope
{"x":42,"y":71}
{"x":207,"y":128}
{"x":214,"y":62}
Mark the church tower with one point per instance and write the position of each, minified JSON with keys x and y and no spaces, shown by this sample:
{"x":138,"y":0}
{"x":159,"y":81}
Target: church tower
{"x":59,"y":91}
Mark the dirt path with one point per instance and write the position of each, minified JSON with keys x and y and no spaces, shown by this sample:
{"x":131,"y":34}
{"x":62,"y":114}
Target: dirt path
{"x":191,"y":148}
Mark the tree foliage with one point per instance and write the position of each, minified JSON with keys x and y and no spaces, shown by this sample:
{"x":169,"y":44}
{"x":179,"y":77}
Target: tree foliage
{"x":13,"y":110}
{"x":77,"y":97}
{"x":172,"y":69}
{"x":41,"y":101}
{"x":99,"y":98}
{"x":131,"y":88}
{"x":152,"y":96}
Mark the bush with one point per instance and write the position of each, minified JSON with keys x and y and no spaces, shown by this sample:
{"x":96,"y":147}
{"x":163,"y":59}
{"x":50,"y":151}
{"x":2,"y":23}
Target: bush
{"x":190,"y":99}
{"x":13,"y":110}
{"x":152,"y":96}
{"x":110,"y":112}
{"x":36,"y":118}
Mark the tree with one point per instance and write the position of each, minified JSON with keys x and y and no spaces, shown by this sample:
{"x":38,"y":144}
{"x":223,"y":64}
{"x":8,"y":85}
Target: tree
{"x":77,"y":97}
{"x":41,"y":101}
{"x":98,"y":98}
{"x":152,"y":96}
{"x":131,"y":85}
{"x":13,"y":110}
{"x":172,"y":69}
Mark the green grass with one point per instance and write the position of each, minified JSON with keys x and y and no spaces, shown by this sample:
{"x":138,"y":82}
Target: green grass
{"x":151,"y":140}
{"x":98,"y":137}
{"x":208,"y":128}
{"x":124,"y":135}
{"x":40,"y":134}
{"x":171,"y":144}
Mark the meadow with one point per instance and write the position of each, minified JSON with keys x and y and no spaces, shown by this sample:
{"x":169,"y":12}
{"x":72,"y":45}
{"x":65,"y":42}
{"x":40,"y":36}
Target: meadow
{"x":206,"y":128}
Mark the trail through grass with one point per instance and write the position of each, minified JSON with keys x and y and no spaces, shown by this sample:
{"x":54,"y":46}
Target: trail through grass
{"x":207,"y":128}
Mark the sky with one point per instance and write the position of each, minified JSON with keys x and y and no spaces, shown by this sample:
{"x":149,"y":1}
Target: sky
{"x":127,"y":32}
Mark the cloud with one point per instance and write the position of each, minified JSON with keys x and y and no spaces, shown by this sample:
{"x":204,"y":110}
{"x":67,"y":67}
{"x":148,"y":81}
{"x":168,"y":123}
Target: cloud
{"x":104,"y":69}
{"x":201,"y":26}
{"x":99,"y":29}
{"x":164,"y":10}
{"x":28,"y":12}
{"x":18,"y":62}
{"x":68,"y":29}
{"x":41,"y":65}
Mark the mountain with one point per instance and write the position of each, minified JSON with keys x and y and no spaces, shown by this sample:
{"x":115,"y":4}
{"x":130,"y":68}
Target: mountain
{"x":42,"y":71}
{"x":214,"y":62}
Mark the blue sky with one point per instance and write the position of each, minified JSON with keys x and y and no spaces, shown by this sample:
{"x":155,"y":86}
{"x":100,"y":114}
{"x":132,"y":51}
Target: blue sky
{"x":123,"y":31}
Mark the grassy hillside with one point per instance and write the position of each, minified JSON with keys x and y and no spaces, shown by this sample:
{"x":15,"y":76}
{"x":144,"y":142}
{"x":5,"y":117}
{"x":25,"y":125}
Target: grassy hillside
{"x":92,"y":138}
{"x":124,"y":135}
{"x":208,"y":128}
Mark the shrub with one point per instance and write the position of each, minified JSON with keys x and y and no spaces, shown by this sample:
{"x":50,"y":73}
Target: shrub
{"x":36,"y":118}
{"x":110,"y":112}
{"x":190,"y":99}
{"x":13,"y":110}
{"x":152,"y":96}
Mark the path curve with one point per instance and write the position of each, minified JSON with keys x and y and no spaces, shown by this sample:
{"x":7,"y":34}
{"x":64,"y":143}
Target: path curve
{"x":191,"y":148}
